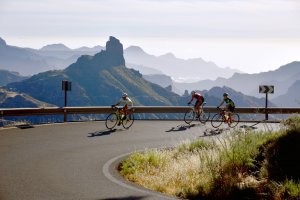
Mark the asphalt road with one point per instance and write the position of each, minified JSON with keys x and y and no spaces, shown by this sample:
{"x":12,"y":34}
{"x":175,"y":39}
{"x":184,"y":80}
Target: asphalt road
{"x":77,"y":160}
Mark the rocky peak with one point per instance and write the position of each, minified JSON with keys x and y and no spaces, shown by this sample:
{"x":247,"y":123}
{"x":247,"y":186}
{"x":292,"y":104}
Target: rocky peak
{"x":113,"y":46}
{"x":2,"y":42}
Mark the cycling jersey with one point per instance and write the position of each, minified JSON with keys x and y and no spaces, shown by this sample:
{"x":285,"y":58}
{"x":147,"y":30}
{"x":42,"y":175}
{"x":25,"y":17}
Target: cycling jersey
{"x":229,"y":102}
{"x":197,"y":96}
{"x":127,"y":102}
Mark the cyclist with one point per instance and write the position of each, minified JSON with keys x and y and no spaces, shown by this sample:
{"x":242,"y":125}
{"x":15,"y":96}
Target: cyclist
{"x":230,"y":106}
{"x":199,"y":102}
{"x":127,"y":103}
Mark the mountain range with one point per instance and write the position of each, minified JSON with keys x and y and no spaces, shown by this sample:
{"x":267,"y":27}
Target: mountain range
{"x":100,"y":79}
{"x":97,"y":80}
{"x":282,"y":78}
{"x":28,"y":61}
{"x":179,"y":69}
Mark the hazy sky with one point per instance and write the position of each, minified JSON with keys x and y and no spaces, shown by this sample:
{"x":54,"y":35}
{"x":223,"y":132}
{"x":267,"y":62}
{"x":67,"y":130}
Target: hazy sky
{"x":250,"y":35}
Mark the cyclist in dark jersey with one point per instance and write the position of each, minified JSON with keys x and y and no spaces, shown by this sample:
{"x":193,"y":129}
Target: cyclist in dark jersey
{"x":199,"y":102}
{"x":229,"y":103}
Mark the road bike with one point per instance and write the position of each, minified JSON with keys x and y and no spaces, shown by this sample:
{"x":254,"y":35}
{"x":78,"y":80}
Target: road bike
{"x":223,"y":116}
{"x":117,"y":117}
{"x":190,"y":115}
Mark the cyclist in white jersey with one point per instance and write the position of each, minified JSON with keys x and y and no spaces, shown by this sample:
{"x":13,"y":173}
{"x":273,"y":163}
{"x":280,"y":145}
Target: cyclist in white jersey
{"x":126,"y":101}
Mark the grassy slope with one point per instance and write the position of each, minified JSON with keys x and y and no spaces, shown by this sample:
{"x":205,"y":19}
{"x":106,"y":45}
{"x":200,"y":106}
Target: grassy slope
{"x":243,"y":165}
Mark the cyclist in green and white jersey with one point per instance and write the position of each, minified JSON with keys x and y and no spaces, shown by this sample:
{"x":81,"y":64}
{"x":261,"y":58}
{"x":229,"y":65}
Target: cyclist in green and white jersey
{"x":230,"y":106}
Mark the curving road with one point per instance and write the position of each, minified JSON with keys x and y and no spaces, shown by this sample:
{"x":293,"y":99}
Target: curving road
{"x":77,"y":160}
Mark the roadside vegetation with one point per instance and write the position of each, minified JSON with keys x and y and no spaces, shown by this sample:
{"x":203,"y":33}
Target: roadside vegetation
{"x":244,"y":164}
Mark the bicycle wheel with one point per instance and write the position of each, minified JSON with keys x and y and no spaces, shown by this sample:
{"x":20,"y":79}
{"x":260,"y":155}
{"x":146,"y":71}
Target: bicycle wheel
{"x":127,"y":123}
{"x":204,"y":117}
{"x":189,"y":116}
{"x":111,"y":121}
{"x":216,"y":120}
{"x":235,"y":119}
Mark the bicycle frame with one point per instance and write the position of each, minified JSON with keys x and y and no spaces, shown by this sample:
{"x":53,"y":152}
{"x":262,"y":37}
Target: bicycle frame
{"x":120,"y":118}
{"x":200,"y":108}
{"x":203,"y":117}
{"x":232,"y":119}
{"x":225,"y":113}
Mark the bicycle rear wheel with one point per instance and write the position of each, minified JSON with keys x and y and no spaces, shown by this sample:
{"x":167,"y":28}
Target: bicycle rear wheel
{"x":111,"y":121}
{"x":235,"y":119}
{"x":216,"y":120}
{"x":204,"y":117}
{"x":127,"y":123}
{"x":189,"y":116}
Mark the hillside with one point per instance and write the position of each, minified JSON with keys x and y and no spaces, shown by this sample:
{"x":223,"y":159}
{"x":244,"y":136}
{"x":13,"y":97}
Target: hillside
{"x":240,"y":99}
{"x":97,"y":80}
{"x":291,"y":98}
{"x":10,"y":77}
{"x":10,"y":99}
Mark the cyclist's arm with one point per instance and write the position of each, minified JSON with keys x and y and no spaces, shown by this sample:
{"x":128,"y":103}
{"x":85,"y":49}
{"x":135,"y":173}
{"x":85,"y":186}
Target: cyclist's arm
{"x":118,"y":102}
{"x":191,"y":100}
{"x":129,"y":102}
{"x":221,"y":103}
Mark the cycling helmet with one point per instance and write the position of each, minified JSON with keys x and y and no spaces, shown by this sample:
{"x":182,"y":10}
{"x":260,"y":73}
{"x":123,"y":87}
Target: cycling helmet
{"x":193,"y":92}
{"x":124,"y":95}
{"x":225,"y":94}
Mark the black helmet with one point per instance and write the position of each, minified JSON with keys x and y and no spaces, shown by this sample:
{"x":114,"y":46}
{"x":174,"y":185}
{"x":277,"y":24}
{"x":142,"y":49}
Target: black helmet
{"x":225,"y":94}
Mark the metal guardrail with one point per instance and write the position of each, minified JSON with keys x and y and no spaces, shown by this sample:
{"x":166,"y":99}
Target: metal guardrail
{"x":137,"y":109}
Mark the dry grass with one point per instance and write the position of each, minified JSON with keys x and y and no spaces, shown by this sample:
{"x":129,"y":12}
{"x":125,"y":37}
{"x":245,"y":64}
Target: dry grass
{"x":228,"y":167}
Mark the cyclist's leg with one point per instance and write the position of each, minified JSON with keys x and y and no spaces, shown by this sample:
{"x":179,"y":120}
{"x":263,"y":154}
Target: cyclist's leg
{"x":125,"y":111}
{"x":230,"y":112}
{"x":197,"y":107}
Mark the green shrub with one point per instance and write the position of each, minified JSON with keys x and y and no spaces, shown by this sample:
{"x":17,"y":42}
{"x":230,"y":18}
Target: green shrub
{"x":282,"y":157}
{"x":292,"y":122}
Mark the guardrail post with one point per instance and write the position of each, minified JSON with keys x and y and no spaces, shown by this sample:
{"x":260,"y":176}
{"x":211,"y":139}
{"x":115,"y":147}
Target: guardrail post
{"x":2,"y":117}
{"x":266,"y":108}
{"x":65,"y":115}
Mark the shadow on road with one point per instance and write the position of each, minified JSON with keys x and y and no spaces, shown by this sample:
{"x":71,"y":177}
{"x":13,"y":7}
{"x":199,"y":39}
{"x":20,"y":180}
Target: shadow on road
{"x":181,"y":128}
{"x":103,"y":133}
{"x":126,"y":198}
{"x":212,"y":132}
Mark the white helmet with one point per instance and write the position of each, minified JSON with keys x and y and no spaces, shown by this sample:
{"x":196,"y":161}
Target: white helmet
{"x":124,"y":95}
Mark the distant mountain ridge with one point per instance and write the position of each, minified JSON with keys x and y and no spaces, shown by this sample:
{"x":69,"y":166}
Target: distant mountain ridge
{"x":28,"y":61}
{"x":178,"y":69}
{"x":282,"y":79}
{"x":20,"y":60}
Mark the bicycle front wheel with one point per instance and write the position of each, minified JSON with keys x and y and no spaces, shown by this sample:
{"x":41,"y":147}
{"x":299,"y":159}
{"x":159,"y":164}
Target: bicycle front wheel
{"x":127,"y":123}
{"x":204,"y":117}
{"x":235,"y":119}
{"x":111,"y":121}
{"x":189,"y":116}
{"x":216,"y":120}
